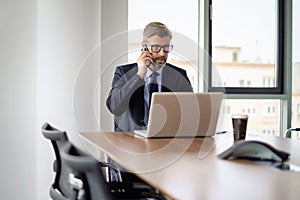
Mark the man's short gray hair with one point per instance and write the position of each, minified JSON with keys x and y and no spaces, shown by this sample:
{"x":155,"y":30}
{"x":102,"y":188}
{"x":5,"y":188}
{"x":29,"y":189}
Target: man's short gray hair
{"x":156,"y":28}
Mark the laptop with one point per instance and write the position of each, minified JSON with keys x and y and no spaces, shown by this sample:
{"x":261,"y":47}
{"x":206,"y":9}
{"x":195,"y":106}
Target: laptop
{"x":182,"y":114}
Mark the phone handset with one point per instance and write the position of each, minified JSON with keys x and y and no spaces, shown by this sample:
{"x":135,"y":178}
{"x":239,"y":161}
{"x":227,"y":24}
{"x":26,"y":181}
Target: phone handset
{"x":145,"y":48}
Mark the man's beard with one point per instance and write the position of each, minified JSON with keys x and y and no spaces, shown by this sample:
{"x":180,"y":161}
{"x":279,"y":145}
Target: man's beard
{"x":159,"y":65}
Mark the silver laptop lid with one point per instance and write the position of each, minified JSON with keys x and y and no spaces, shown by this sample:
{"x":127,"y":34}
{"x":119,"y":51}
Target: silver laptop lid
{"x":184,"y":114}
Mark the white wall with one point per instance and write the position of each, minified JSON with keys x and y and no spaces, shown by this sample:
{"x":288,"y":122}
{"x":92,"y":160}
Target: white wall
{"x":17,"y":99}
{"x":67,"y":32}
{"x":114,"y":42}
{"x":51,"y":71}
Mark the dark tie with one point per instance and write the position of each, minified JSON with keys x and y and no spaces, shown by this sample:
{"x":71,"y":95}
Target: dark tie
{"x":153,"y":86}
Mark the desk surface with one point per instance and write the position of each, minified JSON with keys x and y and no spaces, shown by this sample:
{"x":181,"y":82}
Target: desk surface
{"x":190,"y":169}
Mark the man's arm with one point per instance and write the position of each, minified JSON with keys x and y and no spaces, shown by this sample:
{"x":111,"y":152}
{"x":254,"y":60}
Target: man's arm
{"x":125,"y":83}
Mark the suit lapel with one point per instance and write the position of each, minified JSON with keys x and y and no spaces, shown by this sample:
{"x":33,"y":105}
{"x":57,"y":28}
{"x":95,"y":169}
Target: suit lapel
{"x":165,"y":79}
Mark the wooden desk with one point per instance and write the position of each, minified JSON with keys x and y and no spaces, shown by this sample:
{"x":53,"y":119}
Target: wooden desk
{"x":190,"y":169}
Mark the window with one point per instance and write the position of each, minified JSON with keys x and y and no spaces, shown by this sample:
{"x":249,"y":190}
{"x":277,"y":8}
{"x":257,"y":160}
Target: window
{"x":248,"y":83}
{"x":269,"y":131}
{"x":242,"y":83}
{"x":296,"y":65}
{"x":234,"y":57}
{"x":270,"y":110}
{"x":249,"y":108}
{"x":297,"y":115}
{"x":246,"y":46}
{"x":247,"y":53}
{"x":227,"y":109}
{"x":268,"y":82}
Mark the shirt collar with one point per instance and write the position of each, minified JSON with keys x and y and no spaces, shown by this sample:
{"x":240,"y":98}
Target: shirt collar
{"x":149,"y":72}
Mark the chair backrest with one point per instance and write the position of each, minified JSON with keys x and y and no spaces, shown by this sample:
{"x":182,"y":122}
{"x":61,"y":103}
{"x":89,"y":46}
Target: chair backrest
{"x":88,"y":170}
{"x":60,"y":188}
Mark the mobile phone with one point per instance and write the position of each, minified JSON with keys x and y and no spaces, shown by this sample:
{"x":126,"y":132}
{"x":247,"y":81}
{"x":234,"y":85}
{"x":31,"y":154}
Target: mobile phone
{"x":145,"y":48}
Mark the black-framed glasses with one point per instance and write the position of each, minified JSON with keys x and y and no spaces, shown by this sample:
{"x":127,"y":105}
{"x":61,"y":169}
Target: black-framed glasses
{"x":155,"y":48}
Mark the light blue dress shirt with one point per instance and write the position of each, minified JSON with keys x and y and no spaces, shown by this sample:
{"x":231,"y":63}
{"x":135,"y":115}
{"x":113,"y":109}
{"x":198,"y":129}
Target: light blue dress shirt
{"x":148,"y":80}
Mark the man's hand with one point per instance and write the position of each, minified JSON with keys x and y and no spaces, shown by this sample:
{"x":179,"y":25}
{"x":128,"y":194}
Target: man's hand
{"x":141,"y":61}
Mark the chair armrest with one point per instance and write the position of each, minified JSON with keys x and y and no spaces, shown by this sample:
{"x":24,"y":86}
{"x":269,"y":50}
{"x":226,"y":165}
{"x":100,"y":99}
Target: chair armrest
{"x":288,"y":134}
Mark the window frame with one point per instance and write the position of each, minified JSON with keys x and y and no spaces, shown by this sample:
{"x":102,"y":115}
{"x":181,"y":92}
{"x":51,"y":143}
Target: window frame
{"x":286,"y":96}
{"x":279,"y":60}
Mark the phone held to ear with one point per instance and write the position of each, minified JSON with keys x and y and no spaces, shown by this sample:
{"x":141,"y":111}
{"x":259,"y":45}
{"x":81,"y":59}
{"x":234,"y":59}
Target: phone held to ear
{"x":145,"y":48}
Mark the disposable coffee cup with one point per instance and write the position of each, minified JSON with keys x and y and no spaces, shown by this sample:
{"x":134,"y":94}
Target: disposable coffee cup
{"x":239,"y":124}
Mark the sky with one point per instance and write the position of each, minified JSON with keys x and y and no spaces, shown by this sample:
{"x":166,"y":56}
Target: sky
{"x":182,"y":17}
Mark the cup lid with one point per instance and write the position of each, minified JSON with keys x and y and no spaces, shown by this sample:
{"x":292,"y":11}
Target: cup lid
{"x":239,"y":116}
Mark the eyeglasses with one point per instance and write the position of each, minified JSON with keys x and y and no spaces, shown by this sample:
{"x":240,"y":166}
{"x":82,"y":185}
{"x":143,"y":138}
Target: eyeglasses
{"x":156,"y":48}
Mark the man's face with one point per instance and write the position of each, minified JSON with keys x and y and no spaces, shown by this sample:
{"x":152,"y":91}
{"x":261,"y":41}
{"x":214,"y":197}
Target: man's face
{"x":159,"y":57}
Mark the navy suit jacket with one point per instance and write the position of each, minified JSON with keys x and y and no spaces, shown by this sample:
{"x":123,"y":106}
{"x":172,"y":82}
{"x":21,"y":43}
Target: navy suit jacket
{"x":126,"y":97}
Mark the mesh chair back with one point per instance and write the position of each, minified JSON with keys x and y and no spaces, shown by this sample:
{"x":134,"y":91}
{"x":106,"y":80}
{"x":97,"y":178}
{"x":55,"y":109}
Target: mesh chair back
{"x":60,"y":188}
{"x":88,"y":170}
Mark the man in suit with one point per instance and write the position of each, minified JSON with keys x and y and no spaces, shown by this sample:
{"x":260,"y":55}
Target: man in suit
{"x":129,"y":96}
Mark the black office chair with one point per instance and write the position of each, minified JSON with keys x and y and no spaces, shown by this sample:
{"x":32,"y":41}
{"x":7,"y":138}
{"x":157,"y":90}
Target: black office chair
{"x":60,"y":189}
{"x":288,"y":132}
{"x":88,"y":170}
